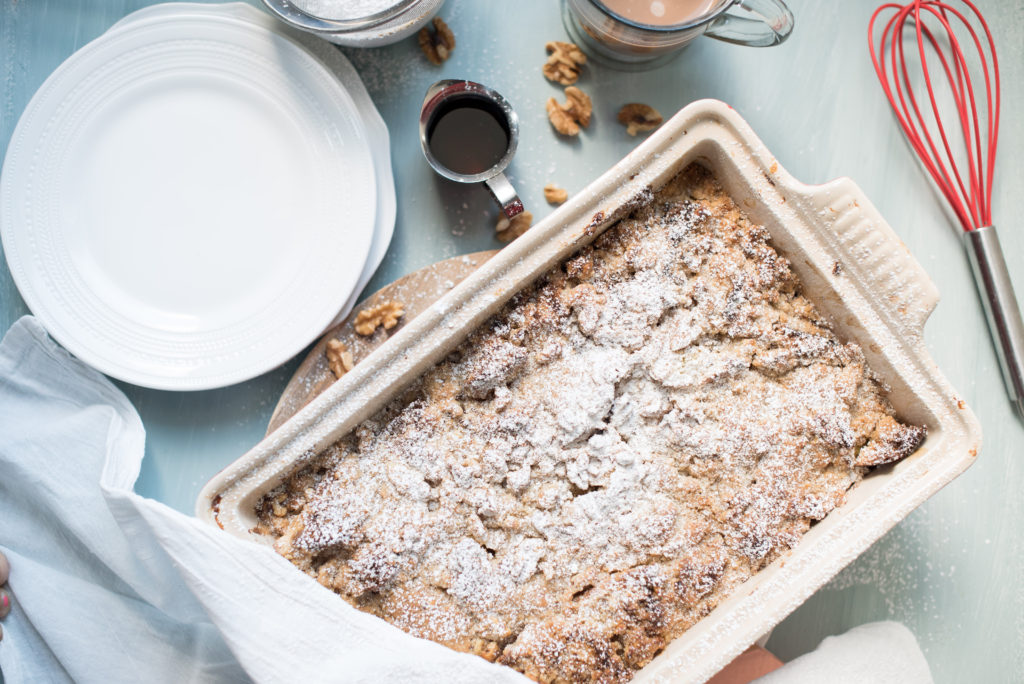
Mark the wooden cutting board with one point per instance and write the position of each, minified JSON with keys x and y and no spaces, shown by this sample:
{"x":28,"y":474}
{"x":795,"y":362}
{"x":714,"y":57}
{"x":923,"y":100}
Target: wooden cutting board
{"x":415,"y":291}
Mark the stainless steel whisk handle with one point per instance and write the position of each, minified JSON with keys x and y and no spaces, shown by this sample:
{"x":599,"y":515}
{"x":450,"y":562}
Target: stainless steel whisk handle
{"x":1001,"y":309}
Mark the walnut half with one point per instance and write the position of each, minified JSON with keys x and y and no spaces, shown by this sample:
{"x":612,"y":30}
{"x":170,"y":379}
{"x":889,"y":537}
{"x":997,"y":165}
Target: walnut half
{"x":488,"y":650}
{"x":638,"y":117}
{"x":339,"y":358}
{"x":564,"y":62}
{"x":509,"y":229}
{"x":437,"y":46}
{"x":554,"y":194}
{"x":384,"y":314}
{"x":567,"y":118}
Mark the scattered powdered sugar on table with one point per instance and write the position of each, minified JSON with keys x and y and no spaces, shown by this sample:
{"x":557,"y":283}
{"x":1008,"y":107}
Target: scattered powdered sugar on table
{"x":894,"y":569}
{"x":605,"y":459}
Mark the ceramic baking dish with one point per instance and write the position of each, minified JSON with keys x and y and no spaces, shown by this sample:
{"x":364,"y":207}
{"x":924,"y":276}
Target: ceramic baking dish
{"x":853,"y":267}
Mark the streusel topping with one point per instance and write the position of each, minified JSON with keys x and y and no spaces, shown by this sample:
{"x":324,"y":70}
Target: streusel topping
{"x":606,"y":459}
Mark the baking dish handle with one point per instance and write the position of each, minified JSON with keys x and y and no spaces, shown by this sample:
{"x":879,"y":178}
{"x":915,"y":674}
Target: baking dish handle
{"x":871,"y":254}
{"x":770,"y":24}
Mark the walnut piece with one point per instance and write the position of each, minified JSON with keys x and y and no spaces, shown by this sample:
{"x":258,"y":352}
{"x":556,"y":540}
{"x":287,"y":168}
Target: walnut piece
{"x":486,"y":649}
{"x":638,"y":117}
{"x":578,"y":105}
{"x":564,"y":62}
{"x":554,"y":194}
{"x":339,"y":358}
{"x":384,"y":314}
{"x":560,"y":119}
{"x":437,"y":46}
{"x":567,"y":118}
{"x":510,"y":229}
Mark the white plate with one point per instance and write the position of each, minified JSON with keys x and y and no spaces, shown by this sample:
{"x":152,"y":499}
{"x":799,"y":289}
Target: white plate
{"x":187,"y":203}
{"x":333,"y":59}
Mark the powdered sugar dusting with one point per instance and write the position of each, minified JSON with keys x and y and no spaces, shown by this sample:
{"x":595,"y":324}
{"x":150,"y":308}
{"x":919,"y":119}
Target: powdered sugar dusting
{"x":605,"y":459}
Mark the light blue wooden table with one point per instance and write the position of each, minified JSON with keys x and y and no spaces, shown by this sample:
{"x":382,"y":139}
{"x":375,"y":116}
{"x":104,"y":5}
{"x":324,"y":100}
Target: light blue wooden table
{"x":953,"y":570}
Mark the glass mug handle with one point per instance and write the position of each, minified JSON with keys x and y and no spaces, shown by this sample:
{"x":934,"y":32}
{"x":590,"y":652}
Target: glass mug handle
{"x":773,"y":25}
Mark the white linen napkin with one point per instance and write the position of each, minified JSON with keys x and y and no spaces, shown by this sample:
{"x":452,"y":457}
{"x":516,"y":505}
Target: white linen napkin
{"x":875,"y":653}
{"x":110,"y":586}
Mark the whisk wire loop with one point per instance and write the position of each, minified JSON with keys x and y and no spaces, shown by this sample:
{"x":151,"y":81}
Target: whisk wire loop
{"x":967,"y":187}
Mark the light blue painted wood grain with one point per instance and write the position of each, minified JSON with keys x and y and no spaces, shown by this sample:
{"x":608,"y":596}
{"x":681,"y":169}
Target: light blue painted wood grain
{"x":953,"y":570}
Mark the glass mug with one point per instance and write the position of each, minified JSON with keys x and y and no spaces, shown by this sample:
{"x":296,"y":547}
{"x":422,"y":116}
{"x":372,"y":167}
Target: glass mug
{"x":610,"y":36}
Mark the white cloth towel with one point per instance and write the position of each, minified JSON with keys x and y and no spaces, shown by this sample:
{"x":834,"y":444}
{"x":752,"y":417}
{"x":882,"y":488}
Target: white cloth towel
{"x":112,"y":587}
{"x":875,"y":653}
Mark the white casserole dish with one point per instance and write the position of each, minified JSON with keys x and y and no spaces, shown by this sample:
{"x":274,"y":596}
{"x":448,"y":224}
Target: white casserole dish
{"x":853,"y":268}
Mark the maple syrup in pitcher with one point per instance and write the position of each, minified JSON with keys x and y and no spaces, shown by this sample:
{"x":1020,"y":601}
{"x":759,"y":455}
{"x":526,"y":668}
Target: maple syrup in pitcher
{"x":469,"y":135}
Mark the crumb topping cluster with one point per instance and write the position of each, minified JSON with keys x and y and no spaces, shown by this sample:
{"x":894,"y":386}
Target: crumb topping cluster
{"x":599,"y":465}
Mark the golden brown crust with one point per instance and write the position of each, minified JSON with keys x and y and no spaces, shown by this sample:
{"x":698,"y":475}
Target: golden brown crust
{"x":606,"y":459}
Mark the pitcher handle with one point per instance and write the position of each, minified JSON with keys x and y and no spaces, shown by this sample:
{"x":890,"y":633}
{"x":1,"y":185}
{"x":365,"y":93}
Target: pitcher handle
{"x":773,"y":24}
{"x":505,"y":194}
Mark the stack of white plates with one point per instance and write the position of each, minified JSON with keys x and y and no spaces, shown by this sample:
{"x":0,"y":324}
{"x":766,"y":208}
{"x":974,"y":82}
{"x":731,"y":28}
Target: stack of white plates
{"x":193,"y":197}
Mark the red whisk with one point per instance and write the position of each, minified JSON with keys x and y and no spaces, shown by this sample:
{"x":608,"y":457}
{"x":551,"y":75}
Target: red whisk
{"x":942,"y":34}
